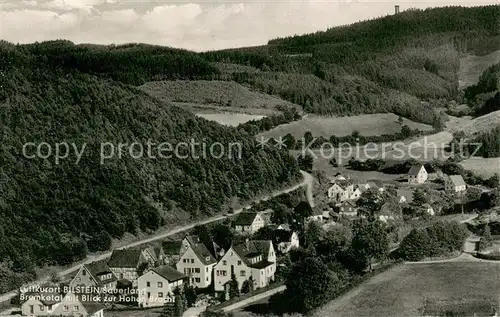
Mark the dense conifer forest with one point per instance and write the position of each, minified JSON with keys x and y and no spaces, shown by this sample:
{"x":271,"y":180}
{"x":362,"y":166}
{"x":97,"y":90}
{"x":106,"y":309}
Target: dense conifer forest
{"x":55,"y":213}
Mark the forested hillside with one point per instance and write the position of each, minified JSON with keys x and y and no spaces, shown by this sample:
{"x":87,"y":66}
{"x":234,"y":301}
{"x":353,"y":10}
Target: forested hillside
{"x":55,"y":213}
{"x":484,"y":96}
{"x":395,"y":60}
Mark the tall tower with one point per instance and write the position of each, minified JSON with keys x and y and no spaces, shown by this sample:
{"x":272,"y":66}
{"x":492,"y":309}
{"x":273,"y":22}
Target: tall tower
{"x":396,"y":9}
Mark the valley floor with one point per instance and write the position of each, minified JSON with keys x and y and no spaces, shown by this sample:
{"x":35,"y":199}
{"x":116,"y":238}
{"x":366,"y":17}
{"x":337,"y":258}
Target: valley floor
{"x":403,"y":290}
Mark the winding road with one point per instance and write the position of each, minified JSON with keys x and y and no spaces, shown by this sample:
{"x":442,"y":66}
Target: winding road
{"x":308,"y":181}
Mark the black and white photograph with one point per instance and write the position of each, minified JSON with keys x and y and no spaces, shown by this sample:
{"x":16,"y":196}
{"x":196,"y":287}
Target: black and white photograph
{"x":249,"y":158}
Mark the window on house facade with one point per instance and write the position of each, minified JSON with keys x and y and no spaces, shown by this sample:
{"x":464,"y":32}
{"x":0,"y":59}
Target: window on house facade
{"x":66,"y":308}
{"x":148,"y":284}
{"x":160,"y":284}
{"x":239,"y":262}
{"x":84,"y":272}
{"x":192,"y":260}
{"x":242,"y":273}
{"x":42,"y":307}
{"x":198,"y":280}
{"x":197,"y":270}
{"x":76,"y":308}
{"x":224,"y":262}
{"x":32,"y":309}
{"x":206,"y":269}
{"x":160,"y":294}
{"x":149,"y":295}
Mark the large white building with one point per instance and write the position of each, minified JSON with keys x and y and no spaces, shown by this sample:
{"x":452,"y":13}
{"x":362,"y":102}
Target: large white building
{"x":196,"y":262}
{"x":251,"y":261}
{"x":454,"y":183}
{"x":157,"y":285}
{"x":341,"y":190}
{"x":417,"y":175}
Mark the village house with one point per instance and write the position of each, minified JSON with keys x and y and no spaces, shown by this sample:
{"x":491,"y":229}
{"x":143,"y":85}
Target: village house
{"x":454,"y":184}
{"x":251,"y":261}
{"x":157,"y":285}
{"x":417,"y":175}
{"x":376,"y":184}
{"x":358,"y":190}
{"x":70,"y":304}
{"x":156,"y":255}
{"x":427,"y":208}
{"x":404,"y":195}
{"x":286,"y":240}
{"x":317,"y":215}
{"x":347,"y":209}
{"x":248,"y":222}
{"x":84,"y":305}
{"x":341,"y":190}
{"x":125,"y":264}
{"x":39,"y":304}
{"x":171,"y":251}
{"x":338,"y":177}
{"x":196,"y":262}
{"x":95,"y":274}
{"x":388,"y":212}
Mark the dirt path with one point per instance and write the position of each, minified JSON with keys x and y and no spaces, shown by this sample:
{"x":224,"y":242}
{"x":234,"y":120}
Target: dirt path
{"x":308,"y":181}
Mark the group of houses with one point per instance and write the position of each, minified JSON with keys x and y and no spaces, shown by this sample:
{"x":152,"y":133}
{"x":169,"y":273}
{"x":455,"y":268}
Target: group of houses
{"x":154,"y":273}
{"x":453,"y":184}
{"x":344,"y":192}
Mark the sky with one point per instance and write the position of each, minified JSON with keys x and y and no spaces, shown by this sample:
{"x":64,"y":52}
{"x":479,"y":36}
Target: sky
{"x":199,"y":26}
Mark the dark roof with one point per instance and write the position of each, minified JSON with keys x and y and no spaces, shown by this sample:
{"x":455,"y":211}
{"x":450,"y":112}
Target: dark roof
{"x":92,"y":307}
{"x":407,"y":193}
{"x":375,"y":184}
{"x":245,"y":218}
{"x":201,"y":250}
{"x":261,"y":264}
{"x":348,"y":202}
{"x":414,"y":170}
{"x":171,"y":247}
{"x":253,"y":248}
{"x":99,"y":268}
{"x":344,"y":183}
{"x":126,"y":258}
{"x":282,"y":235}
{"x":153,"y":252}
{"x":168,"y":272}
{"x":457,"y":180}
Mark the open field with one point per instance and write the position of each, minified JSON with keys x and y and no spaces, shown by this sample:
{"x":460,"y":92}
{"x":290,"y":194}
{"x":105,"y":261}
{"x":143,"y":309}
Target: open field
{"x":199,"y":108}
{"x":401,"y":291}
{"x":480,"y":124}
{"x":472,"y":66}
{"x":485,"y":167}
{"x":230,"y":119}
{"x":220,"y":93}
{"x":366,"y":125}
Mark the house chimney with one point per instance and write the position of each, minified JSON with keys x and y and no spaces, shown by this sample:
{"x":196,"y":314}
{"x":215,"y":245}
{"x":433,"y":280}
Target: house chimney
{"x":396,"y":9}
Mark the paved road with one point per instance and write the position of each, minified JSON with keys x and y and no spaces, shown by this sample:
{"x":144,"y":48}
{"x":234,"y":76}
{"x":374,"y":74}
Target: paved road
{"x":308,"y":181}
{"x":253,"y":299}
